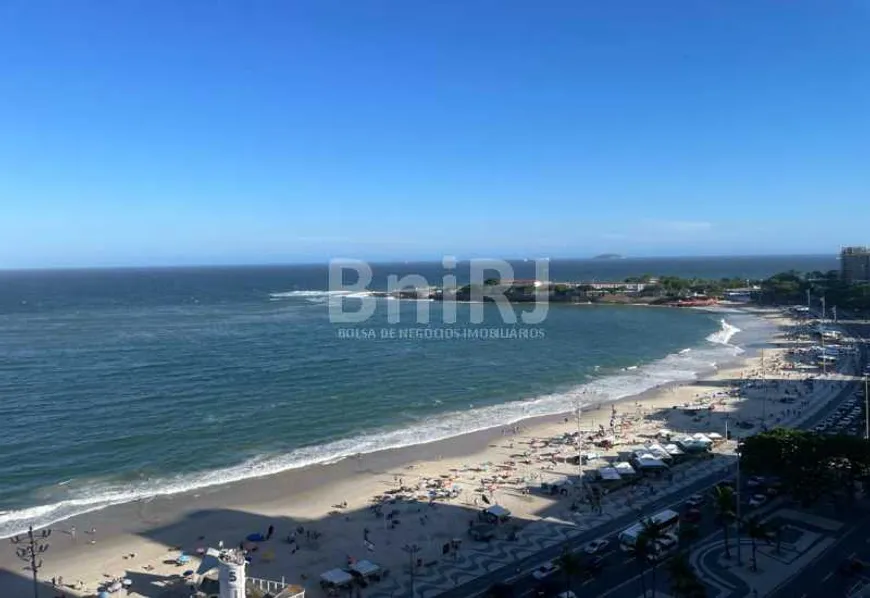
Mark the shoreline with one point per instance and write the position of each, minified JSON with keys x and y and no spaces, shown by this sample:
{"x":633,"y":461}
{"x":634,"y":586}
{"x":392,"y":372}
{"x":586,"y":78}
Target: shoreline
{"x":305,"y":496}
{"x":520,"y":419}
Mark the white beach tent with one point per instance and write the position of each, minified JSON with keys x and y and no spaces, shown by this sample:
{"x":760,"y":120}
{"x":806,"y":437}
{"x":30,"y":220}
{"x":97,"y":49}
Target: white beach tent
{"x":674,"y":450}
{"x":647,"y":461}
{"x":609,"y":474}
{"x":365,"y":568}
{"x":624,"y":468}
{"x":497,"y":511}
{"x":657,"y":450}
{"x":337,"y":577}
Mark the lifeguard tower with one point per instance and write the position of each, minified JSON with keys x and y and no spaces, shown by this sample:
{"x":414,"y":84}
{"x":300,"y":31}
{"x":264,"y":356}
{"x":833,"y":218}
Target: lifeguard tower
{"x":233,"y":582}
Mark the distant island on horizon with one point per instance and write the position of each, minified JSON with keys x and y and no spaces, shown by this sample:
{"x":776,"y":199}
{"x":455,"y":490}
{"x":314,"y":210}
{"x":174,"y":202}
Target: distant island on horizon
{"x":608,"y":256}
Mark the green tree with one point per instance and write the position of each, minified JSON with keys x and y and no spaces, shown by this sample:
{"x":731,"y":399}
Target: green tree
{"x":571,"y":566}
{"x":725,"y":504}
{"x":757,"y":530}
{"x":809,"y":464}
{"x":654,"y":533}
{"x":641,"y":551}
{"x":684,"y":580}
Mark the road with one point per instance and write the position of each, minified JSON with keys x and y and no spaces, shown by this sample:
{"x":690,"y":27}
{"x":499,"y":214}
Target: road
{"x":618,"y":578}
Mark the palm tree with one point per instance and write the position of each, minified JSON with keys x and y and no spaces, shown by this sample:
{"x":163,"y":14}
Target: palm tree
{"x":654,"y":532}
{"x":756,"y":529}
{"x":684,"y":580}
{"x":723,"y":501}
{"x":641,"y":551}
{"x":570,"y":565}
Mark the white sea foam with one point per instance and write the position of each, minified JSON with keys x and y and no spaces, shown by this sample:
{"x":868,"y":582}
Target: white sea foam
{"x":724,"y":334}
{"x":678,"y":367}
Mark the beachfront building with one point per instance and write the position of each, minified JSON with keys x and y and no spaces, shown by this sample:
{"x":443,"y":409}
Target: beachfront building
{"x":855,"y":264}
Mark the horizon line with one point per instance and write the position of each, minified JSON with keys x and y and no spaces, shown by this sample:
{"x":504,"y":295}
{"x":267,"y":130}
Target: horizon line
{"x":198,"y":266}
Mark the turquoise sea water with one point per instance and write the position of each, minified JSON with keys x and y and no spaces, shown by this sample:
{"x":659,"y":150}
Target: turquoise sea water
{"x":117,"y":385}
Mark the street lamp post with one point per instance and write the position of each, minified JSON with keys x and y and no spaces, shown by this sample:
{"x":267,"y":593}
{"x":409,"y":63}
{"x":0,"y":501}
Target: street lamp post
{"x":763,"y":395}
{"x":29,"y":550}
{"x":737,"y":516}
{"x":866,"y":411}
{"x":412,"y":550}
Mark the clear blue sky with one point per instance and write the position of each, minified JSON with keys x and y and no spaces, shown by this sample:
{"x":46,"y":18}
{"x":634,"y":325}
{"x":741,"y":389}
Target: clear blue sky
{"x":216,"y":131}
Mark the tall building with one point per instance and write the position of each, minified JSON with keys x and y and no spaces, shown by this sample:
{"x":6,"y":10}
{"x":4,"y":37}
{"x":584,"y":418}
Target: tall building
{"x":855,"y":264}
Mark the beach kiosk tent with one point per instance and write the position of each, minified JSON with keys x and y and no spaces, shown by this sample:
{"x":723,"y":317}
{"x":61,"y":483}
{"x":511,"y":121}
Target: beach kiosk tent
{"x":365,"y":568}
{"x":609,"y":474}
{"x":693,"y":445}
{"x":647,"y":462}
{"x":674,"y":451}
{"x":624,"y":468}
{"x":495,"y":514}
{"x":657,"y":451}
{"x":336,"y":578}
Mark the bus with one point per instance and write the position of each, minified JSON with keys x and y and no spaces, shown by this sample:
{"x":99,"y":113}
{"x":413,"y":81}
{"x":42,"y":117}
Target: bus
{"x":669,"y":520}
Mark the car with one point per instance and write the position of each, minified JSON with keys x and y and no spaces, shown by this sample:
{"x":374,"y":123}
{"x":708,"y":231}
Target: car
{"x":545,"y":571}
{"x":695,"y":501}
{"x":852,"y":565}
{"x":692,"y":515}
{"x":663,"y":547}
{"x":596,"y":546}
{"x":757,"y":500}
{"x":755,"y":481}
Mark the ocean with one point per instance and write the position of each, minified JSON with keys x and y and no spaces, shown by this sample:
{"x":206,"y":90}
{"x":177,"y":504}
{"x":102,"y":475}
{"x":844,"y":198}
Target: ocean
{"x":117,"y":385}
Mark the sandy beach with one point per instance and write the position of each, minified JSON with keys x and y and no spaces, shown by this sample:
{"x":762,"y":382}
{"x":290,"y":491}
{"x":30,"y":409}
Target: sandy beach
{"x":428,"y":495}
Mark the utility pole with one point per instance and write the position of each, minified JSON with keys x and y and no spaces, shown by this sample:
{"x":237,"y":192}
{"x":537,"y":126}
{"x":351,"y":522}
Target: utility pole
{"x":737,"y":517}
{"x":29,"y":550}
{"x":763,"y":395}
{"x":866,"y":411}
{"x":412,"y":550}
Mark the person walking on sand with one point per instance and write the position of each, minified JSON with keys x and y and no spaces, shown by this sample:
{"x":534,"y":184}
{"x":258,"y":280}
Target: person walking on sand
{"x":270,"y":531}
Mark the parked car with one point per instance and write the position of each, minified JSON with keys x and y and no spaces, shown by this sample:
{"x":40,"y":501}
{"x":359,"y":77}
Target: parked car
{"x":695,"y":501}
{"x":692,"y":515}
{"x":757,"y":500}
{"x":545,"y":571}
{"x":755,"y":481}
{"x":596,"y":546}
